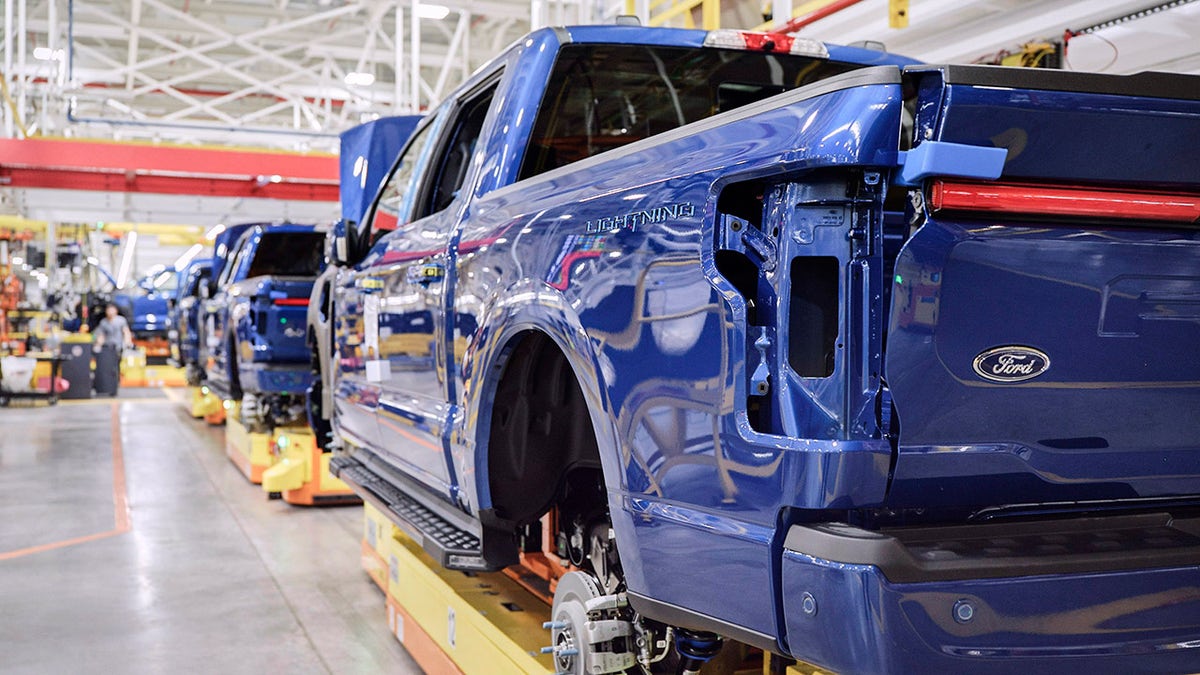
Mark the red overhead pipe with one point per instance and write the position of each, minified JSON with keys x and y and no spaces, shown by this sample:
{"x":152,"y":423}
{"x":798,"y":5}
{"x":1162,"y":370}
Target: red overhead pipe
{"x":814,"y":16}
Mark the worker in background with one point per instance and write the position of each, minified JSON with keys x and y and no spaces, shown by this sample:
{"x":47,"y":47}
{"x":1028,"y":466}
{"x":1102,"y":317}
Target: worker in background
{"x":112,"y":335}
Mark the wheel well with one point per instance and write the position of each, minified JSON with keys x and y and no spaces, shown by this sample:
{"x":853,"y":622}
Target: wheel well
{"x":541,"y":432}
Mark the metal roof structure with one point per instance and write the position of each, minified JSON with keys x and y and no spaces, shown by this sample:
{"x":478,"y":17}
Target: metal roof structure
{"x":293,"y":73}
{"x":276,"y":73}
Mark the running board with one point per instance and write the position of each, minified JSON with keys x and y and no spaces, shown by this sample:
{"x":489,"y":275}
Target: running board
{"x":452,"y":547}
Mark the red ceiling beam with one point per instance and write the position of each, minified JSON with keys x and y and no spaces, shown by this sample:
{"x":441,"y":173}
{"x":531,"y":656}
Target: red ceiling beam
{"x":167,"y":169}
{"x":100,"y":181}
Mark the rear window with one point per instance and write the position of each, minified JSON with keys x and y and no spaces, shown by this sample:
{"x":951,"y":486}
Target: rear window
{"x":289,"y":254}
{"x":601,"y":97}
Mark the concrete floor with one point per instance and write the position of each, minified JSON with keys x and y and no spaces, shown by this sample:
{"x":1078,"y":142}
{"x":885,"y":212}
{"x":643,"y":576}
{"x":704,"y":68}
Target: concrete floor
{"x":201,"y":573}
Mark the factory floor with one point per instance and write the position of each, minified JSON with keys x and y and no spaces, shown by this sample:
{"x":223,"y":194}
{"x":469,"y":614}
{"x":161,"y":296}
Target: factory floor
{"x":130,"y":544}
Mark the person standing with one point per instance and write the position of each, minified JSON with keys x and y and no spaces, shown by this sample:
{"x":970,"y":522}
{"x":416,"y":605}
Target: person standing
{"x":112,"y":335}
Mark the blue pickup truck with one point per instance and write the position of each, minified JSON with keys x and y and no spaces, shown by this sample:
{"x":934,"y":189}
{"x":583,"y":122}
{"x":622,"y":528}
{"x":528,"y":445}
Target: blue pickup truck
{"x":254,"y":326}
{"x":883,"y":366}
{"x":147,"y":305}
{"x":185,"y":319}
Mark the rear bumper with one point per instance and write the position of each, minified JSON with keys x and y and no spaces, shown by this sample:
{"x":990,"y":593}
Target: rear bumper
{"x":1033,"y":597}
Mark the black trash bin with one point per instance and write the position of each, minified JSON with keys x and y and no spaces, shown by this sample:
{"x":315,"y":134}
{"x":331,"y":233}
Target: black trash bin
{"x":77,"y":370}
{"x":107,"y":377}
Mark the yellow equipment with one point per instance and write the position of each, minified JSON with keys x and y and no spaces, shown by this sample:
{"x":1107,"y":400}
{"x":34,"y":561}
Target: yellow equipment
{"x":460,"y":623}
{"x":204,"y":403}
{"x":300,"y":472}
{"x":377,"y":533}
{"x":454,"y":623}
{"x":250,"y":451}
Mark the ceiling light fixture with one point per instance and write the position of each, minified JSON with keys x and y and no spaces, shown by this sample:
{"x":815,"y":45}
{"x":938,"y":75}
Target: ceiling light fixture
{"x":127,"y":259}
{"x":435,"y":12}
{"x":357,"y":79}
{"x":47,"y":54}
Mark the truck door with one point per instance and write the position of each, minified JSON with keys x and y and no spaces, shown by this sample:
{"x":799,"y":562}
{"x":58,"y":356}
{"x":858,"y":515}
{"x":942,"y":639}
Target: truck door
{"x":360,"y":368}
{"x":410,"y":316}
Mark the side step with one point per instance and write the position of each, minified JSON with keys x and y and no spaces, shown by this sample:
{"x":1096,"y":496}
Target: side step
{"x":452,"y":547}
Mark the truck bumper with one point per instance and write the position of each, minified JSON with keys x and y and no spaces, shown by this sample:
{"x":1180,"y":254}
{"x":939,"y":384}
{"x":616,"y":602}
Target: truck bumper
{"x":1060,"y":597}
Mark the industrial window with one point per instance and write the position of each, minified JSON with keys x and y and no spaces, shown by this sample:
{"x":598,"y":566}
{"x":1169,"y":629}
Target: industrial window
{"x":601,"y":97}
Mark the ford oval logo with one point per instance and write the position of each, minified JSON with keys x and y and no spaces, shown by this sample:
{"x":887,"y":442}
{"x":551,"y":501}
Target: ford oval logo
{"x":1011,"y":364}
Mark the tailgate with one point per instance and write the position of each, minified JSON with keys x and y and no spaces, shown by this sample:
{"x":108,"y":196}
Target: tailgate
{"x":1044,"y":336}
{"x":281,"y":319}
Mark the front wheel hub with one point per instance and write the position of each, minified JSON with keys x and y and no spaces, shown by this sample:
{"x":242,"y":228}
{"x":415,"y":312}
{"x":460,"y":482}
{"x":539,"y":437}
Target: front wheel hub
{"x":588,"y":642}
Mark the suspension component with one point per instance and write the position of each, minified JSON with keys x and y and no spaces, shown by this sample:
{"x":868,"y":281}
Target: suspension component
{"x":695,"y":649}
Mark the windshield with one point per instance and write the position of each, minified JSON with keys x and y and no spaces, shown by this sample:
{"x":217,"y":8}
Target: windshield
{"x":601,"y":97}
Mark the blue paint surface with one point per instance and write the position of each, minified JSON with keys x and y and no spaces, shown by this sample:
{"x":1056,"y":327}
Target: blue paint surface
{"x":715,"y":434}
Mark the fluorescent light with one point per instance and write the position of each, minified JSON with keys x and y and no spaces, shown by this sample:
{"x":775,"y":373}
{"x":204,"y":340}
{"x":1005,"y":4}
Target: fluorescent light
{"x":357,"y":79}
{"x":186,"y":258}
{"x":215,"y":232}
{"x":126,"y":259}
{"x":435,"y":12}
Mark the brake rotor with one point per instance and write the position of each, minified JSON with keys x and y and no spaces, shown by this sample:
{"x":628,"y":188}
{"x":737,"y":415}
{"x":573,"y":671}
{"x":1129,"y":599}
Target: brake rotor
{"x":569,"y":615}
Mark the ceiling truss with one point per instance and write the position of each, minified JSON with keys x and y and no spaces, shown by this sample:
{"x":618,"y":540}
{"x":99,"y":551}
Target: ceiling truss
{"x":275,"y":73}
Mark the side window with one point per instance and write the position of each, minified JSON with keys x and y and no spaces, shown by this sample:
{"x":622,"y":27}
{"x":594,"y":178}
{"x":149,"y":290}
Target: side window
{"x":455,"y":156}
{"x":396,"y":201}
{"x":232,"y":265}
{"x":193,"y":283}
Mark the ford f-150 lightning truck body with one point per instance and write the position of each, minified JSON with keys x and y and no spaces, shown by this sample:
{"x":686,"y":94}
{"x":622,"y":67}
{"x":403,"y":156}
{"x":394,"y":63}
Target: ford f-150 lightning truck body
{"x":888,"y":367}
